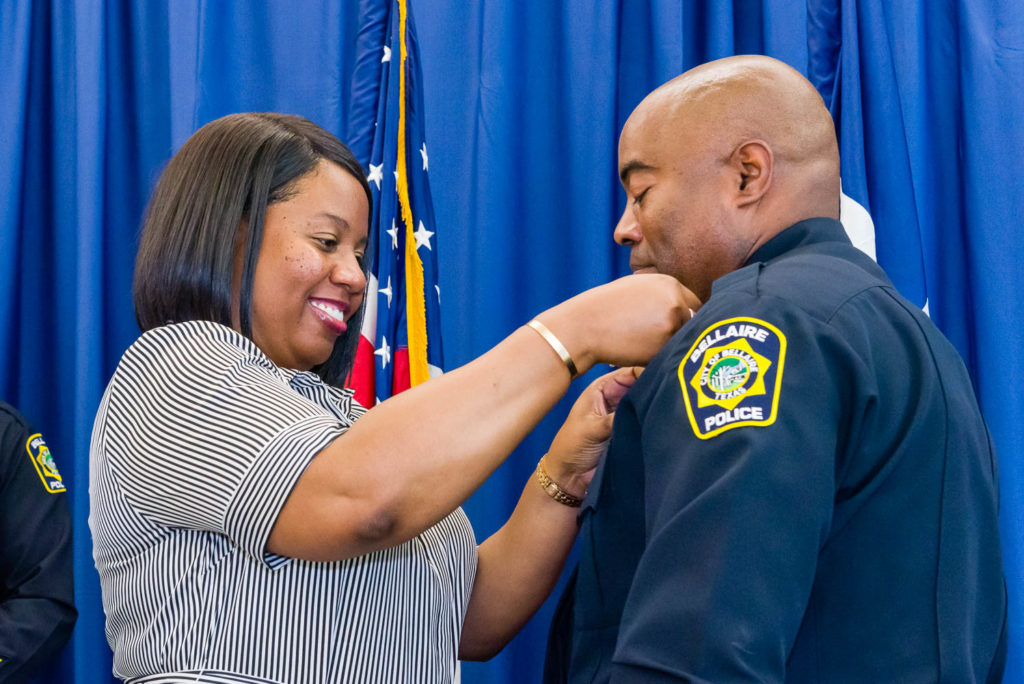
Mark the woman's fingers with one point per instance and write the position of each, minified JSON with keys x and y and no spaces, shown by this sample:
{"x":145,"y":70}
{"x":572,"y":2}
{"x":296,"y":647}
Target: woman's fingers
{"x":614,"y":385}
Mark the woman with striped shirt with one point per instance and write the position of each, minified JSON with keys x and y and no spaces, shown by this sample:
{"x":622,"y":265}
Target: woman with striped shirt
{"x":247,"y":527}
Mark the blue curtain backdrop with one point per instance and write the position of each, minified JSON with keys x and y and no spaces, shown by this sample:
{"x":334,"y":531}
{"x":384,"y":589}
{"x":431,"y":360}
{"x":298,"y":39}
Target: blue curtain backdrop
{"x":523,"y":104}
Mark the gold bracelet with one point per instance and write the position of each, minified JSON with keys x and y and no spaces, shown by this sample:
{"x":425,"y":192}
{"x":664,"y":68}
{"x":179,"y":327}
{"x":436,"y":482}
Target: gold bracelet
{"x":557,"y":345}
{"x":553,"y":490}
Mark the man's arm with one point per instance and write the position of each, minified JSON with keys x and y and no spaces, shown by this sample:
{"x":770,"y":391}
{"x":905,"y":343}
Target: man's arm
{"x":37,"y":609}
{"x":738,"y":501}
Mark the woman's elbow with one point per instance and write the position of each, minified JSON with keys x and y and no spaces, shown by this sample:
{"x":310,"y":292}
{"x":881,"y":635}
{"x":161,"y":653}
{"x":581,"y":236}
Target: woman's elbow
{"x":477,"y":655}
{"x":479,"y":648}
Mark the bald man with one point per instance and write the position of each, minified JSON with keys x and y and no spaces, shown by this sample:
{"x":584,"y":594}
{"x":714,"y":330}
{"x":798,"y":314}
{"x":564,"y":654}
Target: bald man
{"x":800,"y":487}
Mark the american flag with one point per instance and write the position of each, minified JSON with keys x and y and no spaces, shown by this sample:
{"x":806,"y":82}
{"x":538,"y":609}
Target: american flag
{"x":400,"y":345}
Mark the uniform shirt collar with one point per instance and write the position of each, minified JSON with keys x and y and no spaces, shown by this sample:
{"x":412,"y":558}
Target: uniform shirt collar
{"x":808,"y":232}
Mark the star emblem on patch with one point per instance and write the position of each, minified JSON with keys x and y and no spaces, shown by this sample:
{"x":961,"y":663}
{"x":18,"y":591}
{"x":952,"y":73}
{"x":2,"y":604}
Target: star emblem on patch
{"x":729,"y":374}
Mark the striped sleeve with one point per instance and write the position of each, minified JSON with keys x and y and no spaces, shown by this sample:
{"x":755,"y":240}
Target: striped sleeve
{"x":196,"y":409}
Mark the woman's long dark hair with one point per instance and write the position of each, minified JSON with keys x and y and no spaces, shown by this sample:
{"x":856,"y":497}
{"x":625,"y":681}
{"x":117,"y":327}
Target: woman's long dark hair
{"x":227,"y":173}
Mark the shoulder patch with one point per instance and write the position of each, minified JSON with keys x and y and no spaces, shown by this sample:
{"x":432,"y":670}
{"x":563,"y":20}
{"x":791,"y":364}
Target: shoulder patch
{"x":732,"y":376}
{"x":40,"y":456}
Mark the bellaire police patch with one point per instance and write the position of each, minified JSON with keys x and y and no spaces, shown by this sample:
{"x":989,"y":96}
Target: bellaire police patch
{"x":43,"y":461}
{"x":732,"y":375}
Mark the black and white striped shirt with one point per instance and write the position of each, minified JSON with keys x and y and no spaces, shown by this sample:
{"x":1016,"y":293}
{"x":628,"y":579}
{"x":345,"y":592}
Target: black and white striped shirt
{"x":198,"y":441}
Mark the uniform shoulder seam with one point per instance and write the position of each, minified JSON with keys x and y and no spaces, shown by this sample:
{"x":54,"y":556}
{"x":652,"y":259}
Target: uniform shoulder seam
{"x":887,"y":289}
{"x":14,"y":415}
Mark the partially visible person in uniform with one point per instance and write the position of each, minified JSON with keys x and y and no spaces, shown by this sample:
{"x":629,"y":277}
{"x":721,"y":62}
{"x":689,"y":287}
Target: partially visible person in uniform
{"x":251,"y":522}
{"x":37,"y":609}
{"x":800,"y":487}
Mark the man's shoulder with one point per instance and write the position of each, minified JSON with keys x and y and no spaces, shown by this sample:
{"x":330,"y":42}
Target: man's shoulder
{"x":813,"y":281}
{"x":15,"y":433}
{"x":840,"y":271}
{"x":763,"y":306}
{"x":797,"y":296}
{"x":810,"y":287}
{"x":13,"y":425}
{"x":11,"y":416}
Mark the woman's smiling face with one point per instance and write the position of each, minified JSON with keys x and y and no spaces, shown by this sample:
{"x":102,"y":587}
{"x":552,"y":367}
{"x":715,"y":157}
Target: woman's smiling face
{"x":309,"y":277}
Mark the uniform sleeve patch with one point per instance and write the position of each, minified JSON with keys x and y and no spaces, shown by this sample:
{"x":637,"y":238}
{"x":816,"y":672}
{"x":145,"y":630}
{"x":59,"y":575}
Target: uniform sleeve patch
{"x":732,"y":375}
{"x":39,"y":453}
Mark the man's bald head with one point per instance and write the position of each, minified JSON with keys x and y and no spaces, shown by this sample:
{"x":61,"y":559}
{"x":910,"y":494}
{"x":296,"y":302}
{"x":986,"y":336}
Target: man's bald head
{"x":753,"y":138}
{"x":751,"y":97}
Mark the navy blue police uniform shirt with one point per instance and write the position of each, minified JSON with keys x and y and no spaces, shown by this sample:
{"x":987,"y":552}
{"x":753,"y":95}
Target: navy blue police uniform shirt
{"x":799,"y":488}
{"x":37,"y":609}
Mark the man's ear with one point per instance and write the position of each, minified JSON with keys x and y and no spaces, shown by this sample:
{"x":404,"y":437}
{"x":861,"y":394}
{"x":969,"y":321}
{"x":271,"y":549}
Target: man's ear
{"x":752,"y":163}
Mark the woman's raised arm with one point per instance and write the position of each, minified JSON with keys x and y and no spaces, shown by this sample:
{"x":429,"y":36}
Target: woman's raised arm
{"x":413,"y":459}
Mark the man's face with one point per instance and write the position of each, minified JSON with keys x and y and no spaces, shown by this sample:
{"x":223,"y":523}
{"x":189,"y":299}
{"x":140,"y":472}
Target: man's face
{"x":678,"y":217}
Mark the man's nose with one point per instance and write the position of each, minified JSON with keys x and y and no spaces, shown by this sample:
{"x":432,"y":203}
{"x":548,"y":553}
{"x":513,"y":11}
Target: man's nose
{"x":627,"y":231}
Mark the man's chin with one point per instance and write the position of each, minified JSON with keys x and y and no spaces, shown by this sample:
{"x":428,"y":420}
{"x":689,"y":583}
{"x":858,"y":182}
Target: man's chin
{"x":645,"y":269}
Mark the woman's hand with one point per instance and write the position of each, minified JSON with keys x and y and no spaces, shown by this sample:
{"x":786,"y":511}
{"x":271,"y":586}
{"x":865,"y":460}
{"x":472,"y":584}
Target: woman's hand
{"x":520,"y":563}
{"x":583,"y":437}
{"x":624,"y":322}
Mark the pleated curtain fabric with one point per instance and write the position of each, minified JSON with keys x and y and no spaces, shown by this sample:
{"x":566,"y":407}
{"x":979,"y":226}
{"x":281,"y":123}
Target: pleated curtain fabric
{"x":523,"y":103}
